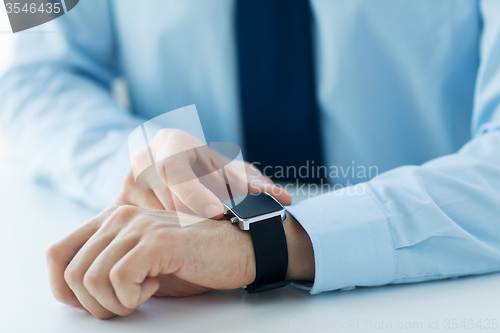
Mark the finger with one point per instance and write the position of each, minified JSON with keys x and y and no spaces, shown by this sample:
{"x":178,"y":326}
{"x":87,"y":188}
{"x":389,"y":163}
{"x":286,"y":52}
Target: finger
{"x":180,"y":207}
{"x":231,"y":172}
{"x":133,"y":194}
{"x":191,"y":192}
{"x":60,"y":254}
{"x":237,"y":180}
{"x":74,"y":273}
{"x":257,"y":182}
{"x":224,"y":186}
{"x":279,"y":193}
{"x":134,"y":277}
{"x":254,"y":175}
{"x":97,"y":280}
{"x":141,"y":160}
{"x":253,"y":172}
{"x":164,"y":196}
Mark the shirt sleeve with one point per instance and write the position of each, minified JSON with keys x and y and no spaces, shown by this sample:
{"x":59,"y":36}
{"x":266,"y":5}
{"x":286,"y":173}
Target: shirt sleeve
{"x":58,"y":110}
{"x":418,"y":223}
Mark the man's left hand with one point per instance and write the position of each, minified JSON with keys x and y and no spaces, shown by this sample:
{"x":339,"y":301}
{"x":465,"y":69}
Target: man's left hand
{"x":116,"y":261}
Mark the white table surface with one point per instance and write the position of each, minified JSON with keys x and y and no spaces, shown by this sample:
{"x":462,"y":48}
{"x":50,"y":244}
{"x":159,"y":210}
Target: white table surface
{"x":31,"y":217}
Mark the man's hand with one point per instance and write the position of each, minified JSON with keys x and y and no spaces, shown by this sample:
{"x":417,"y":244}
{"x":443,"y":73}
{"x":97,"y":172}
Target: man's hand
{"x":125,"y":255}
{"x":179,"y":156}
{"x":113,"y":263}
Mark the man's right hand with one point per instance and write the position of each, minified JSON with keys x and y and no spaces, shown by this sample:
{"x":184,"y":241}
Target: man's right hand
{"x":190,"y":196}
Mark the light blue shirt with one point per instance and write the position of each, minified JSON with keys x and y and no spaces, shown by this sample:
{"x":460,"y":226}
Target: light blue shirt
{"x":409,"y":87}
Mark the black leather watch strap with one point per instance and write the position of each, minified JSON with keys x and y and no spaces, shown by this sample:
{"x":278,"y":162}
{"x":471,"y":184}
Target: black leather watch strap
{"x":271,"y":255}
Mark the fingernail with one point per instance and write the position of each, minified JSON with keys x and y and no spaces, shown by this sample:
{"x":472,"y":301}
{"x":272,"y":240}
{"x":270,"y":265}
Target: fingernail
{"x":212,"y":211}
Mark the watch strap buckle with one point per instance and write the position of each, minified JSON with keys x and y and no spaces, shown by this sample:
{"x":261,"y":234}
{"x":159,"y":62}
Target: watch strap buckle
{"x":252,"y":289}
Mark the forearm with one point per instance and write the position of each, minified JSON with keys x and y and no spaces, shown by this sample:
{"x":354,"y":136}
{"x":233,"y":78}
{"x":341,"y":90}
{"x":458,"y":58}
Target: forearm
{"x":70,"y":130}
{"x":58,"y":109}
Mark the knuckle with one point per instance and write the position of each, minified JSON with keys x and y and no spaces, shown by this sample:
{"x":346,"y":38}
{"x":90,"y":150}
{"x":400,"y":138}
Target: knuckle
{"x":117,"y":276}
{"x":164,"y":135}
{"x":91,"y":282}
{"x":141,"y":160}
{"x":169,"y":133}
{"x":125,"y":211}
{"x":190,"y":198}
{"x":102,"y":216}
{"x":120,"y":216}
{"x":174,"y":170}
{"x":122,"y":199}
{"x":167,"y":165}
{"x":163,"y":132}
{"x":52,"y":252}
{"x":110,"y":209}
{"x":129,"y":180}
{"x":140,"y":154}
{"x":71,"y":276}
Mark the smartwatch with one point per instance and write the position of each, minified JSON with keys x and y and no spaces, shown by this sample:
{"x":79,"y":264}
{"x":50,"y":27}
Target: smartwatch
{"x":263,"y":216}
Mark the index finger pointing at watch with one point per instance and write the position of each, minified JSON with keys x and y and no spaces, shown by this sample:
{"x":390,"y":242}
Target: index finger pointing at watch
{"x":60,"y":254}
{"x":184,"y":183}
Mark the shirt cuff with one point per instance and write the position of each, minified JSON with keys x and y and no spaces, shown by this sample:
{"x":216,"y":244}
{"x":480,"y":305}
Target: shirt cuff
{"x":351,"y":239}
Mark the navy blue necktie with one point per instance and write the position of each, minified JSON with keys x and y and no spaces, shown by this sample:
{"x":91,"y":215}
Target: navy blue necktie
{"x":277,"y":88}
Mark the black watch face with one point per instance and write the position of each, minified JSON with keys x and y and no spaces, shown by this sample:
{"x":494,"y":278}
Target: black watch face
{"x":255,"y":205}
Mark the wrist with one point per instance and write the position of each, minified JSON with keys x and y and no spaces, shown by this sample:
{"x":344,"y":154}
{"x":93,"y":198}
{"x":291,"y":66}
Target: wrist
{"x":300,"y":251}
